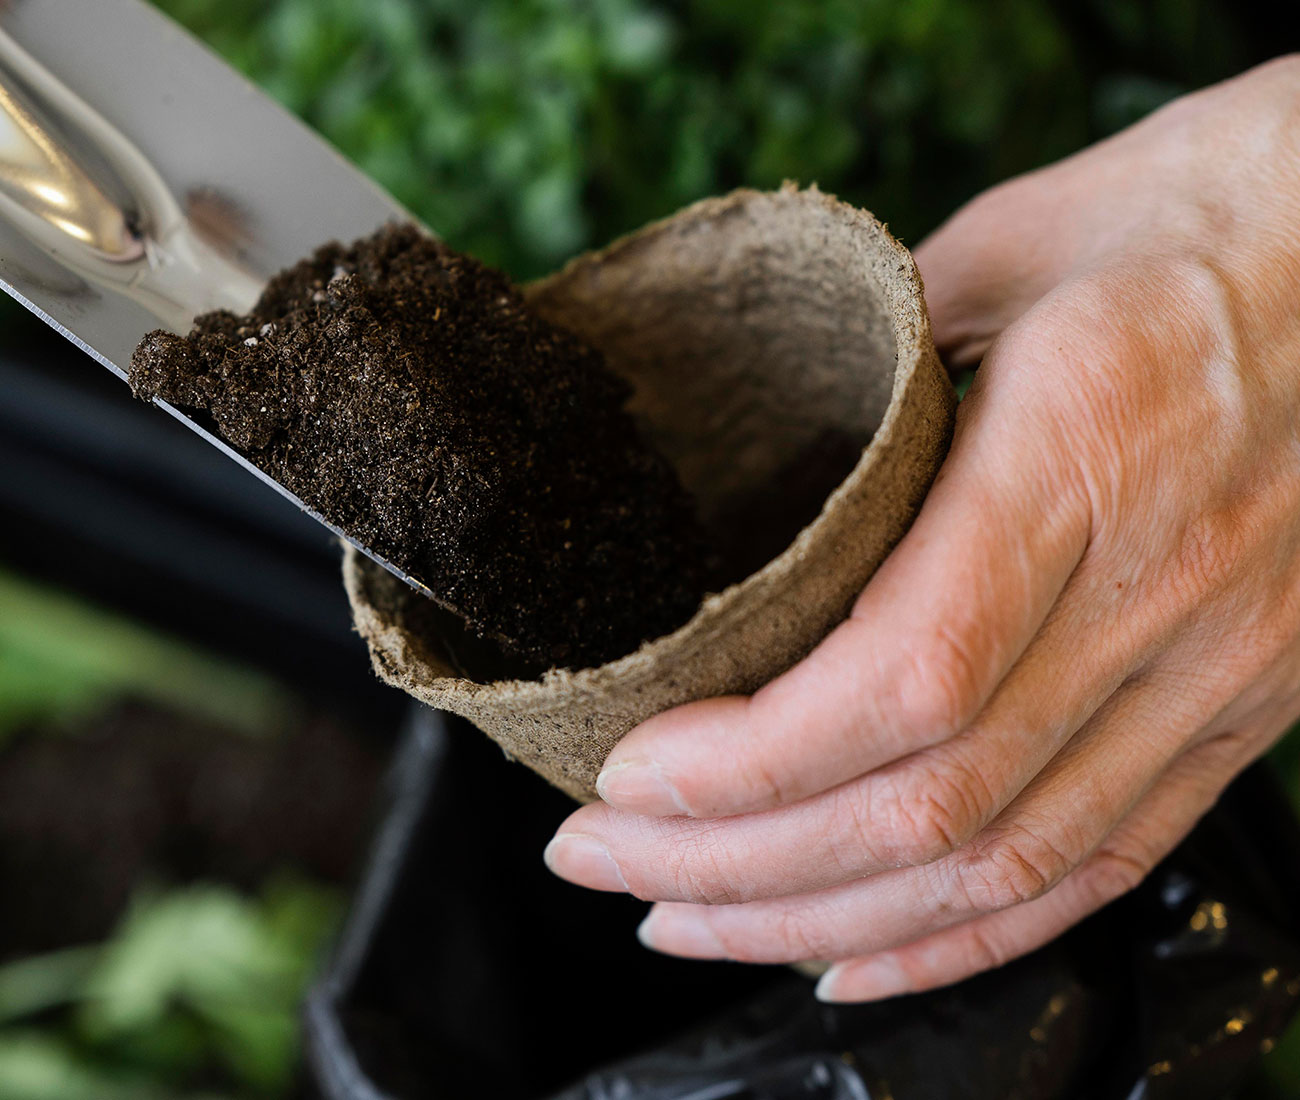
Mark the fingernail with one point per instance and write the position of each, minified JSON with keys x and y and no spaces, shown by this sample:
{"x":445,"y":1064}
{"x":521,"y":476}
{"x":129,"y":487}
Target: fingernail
{"x":680,"y":931}
{"x":863,"y":980}
{"x":584,"y":860}
{"x":640,"y":787}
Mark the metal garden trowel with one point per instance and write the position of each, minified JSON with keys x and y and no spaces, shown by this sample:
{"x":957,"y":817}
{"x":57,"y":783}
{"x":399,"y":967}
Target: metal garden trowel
{"x":143,"y":182}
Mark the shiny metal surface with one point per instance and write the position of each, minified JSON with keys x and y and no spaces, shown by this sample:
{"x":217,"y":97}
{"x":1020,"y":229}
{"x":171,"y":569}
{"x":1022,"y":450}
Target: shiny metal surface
{"x":81,"y":192}
{"x":43,"y":184}
{"x":143,"y":181}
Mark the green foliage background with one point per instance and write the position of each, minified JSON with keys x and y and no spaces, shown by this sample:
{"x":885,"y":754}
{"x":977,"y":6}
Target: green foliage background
{"x":524,"y":130}
{"x":195,"y":995}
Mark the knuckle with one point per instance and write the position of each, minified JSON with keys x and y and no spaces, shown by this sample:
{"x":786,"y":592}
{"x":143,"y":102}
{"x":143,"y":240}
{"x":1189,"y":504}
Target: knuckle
{"x":938,"y":687}
{"x":784,"y":932}
{"x":854,"y":845}
{"x":751,"y":771}
{"x":1257,"y":665}
{"x":935,"y":814}
{"x":738,"y":943}
{"x":1209,"y":554}
{"x":1113,"y":872}
{"x":1100,"y":356}
{"x":1011,"y":870}
{"x":698,"y":870}
{"x":800,"y":934}
{"x":1027,"y":340}
{"x":983,"y":952}
{"x":919,"y":829}
{"x":761,"y":782}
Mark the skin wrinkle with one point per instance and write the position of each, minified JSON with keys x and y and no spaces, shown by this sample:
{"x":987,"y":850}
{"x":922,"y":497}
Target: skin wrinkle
{"x":768,"y":781}
{"x":855,"y":805}
{"x":929,"y":827}
{"x":940,"y":684}
{"x":1037,"y":879}
{"x":1118,"y":866}
{"x":699,"y":872}
{"x":1022,"y":846}
{"x":944,"y":905}
{"x":959,"y":794}
{"x":1013,"y":873}
{"x":1072,"y":339}
{"x":1107,"y":572}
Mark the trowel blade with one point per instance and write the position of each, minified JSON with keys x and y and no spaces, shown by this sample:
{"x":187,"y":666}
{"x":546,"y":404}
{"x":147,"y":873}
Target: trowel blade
{"x":253,"y":187}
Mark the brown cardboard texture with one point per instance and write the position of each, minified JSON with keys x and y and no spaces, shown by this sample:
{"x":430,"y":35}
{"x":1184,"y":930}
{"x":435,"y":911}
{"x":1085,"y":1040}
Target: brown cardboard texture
{"x":752,"y":326}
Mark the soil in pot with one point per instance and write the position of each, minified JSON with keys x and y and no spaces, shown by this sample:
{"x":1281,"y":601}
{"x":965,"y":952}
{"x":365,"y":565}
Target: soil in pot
{"x":406,"y":393}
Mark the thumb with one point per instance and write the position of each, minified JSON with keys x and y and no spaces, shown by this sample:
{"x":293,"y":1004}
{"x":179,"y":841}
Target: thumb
{"x":992,"y":260}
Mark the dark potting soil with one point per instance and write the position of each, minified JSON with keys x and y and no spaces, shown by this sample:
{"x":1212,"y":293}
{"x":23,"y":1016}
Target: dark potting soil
{"x":405,"y":392}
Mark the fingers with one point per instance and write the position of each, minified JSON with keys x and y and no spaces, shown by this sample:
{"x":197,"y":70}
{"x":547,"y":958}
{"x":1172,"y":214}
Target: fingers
{"x":1062,"y":817}
{"x":933,"y":634}
{"x":913,"y":811}
{"x":1146,"y":836}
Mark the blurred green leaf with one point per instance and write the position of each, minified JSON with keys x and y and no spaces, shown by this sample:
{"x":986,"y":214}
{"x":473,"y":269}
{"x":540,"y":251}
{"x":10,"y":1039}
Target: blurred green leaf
{"x":233,"y":966}
{"x":37,"y":1066}
{"x":197,"y":982}
{"x":61,"y":659}
{"x":33,"y":985}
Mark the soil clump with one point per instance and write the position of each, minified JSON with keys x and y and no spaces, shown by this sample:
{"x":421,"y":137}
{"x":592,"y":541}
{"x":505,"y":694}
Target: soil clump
{"x":405,"y":392}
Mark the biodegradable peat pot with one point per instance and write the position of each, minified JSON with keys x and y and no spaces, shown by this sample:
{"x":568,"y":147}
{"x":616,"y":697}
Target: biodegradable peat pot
{"x":754,"y":327}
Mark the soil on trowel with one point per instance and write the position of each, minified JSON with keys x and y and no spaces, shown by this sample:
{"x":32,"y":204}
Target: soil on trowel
{"x":405,"y":392}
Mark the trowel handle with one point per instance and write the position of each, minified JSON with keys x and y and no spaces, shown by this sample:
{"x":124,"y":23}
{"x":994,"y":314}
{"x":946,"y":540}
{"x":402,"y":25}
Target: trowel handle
{"x":85,"y":194}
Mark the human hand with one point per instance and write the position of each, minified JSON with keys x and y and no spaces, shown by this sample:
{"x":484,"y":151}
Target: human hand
{"x":1093,"y":625}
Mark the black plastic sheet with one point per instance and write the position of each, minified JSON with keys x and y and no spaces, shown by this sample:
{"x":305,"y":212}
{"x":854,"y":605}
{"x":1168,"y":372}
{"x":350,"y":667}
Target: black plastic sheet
{"x":466,"y":971}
